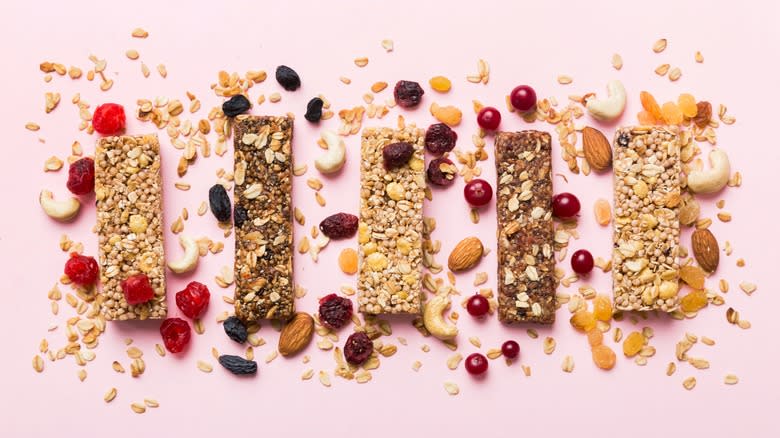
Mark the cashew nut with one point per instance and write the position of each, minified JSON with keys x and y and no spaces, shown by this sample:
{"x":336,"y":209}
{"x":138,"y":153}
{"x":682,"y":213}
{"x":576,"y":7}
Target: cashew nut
{"x":433,"y":318}
{"x":189,"y":260}
{"x":713,"y":179}
{"x":333,"y":160}
{"x":62,"y":211}
{"x":610,"y":108}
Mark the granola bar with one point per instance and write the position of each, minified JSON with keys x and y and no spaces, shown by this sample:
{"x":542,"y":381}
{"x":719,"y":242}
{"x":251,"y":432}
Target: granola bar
{"x":526,"y":265}
{"x":128,"y":191}
{"x":391,"y":224}
{"x":263,"y":210}
{"x":647,"y":169}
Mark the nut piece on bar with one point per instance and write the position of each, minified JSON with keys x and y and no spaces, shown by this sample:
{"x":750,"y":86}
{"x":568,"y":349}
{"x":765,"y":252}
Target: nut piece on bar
{"x":526,"y":262}
{"x":645,"y":268}
{"x":263,"y":217}
{"x":128,"y":191}
{"x":391,"y":223}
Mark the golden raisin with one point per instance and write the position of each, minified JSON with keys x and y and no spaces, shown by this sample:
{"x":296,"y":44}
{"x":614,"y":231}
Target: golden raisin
{"x":633,"y":344}
{"x":595,"y":337}
{"x":650,"y":105}
{"x":602,"y":308}
{"x":603,"y":357}
{"x":687,"y":104}
{"x":693,"y":301}
{"x":440,"y":84}
{"x":348,"y":260}
{"x":672,"y":113}
{"x":583,"y":320}
{"x":693,"y":276}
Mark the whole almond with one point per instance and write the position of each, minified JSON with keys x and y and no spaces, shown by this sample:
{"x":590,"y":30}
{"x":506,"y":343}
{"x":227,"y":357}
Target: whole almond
{"x":596,"y":149}
{"x":465,"y":255}
{"x":705,"y":249}
{"x":296,"y":334}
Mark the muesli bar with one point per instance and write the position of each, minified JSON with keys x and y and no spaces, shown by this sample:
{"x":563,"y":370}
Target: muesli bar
{"x":526,"y":262}
{"x":645,"y":268}
{"x":263,"y":218}
{"x":391,"y":224}
{"x":128,"y":191}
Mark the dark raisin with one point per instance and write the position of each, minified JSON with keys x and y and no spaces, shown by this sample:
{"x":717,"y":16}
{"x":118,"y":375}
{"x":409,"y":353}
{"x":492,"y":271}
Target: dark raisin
{"x":703,"y":114}
{"x":396,"y":155}
{"x":623,"y":139}
{"x":335,"y":311}
{"x":239,"y":216}
{"x":408,"y":94}
{"x":237,"y":364}
{"x":236,"y":105}
{"x":440,"y":138}
{"x":358,"y":348}
{"x":287,"y":78}
{"x":235,"y":329}
{"x":438,"y":176}
{"x":314,"y":110}
{"x":339,"y":225}
{"x":220,"y":203}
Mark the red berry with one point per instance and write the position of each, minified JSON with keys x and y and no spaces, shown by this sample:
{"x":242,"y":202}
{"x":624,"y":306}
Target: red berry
{"x":478,"y":192}
{"x":477,"y":305}
{"x":510,"y":349}
{"x":193,"y":300}
{"x":81,"y":176}
{"x":82,"y":270}
{"x":358,"y":348}
{"x":175,"y":334}
{"x":476,"y":364}
{"x":582,"y":261}
{"x":137,"y":289}
{"x":523,"y":98}
{"x":489,"y":118}
{"x":565,"y":205}
{"x":109,"y":119}
{"x":335,"y":311}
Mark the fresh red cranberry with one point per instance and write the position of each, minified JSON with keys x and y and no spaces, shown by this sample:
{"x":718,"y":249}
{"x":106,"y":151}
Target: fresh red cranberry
{"x":565,"y":205}
{"x":137,"y":289}
{"x":478,"y":192}
{"x":489,"y":118}
{"x":477,"y":305}
{"x":193,"y":300}
{"x":510,"y":349}
{"x":81,"y":176}
{"x":523,"y":98}
{"x":335,"y":311}
{"x":109,"y":119}
{"x":82,"y":270}
{"x":476,"y":364}
{"x":175,"y":334}
{"x":582,"y":261}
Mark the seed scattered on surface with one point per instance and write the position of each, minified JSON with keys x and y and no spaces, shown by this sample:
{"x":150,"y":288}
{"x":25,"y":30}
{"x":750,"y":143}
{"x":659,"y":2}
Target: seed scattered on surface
{"x":451,"y":388}
{"x":617,"y":61}
{"x":659,"y":45}
{"x":689,"y":383}
{"x":565,"y":80}
{"x":361,"y":62}
{"x":699,"y":57}
{"x":731,"y":379}
{"x":132,"y":54}
{"x":387,"y":45}
{"x":140,"y":33}
{"x":324,"y":378}
{"x":675,"y":74}
{"x":205,"y":366}
{"x":110,"y":395}
{"x":37,"y":363}
{"x":138,"y":408}
{"x":568,"y":364}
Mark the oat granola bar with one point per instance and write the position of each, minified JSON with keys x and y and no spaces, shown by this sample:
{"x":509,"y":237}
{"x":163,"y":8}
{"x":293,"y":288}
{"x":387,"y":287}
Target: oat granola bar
{"x":128,"y":191}
{"x":647,"y":169}
{"x":391,"y":224}
{"x":263,"y":218}
{"x":526,"y":263}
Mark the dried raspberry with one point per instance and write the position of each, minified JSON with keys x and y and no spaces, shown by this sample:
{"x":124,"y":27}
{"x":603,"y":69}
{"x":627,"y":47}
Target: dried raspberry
{"x":137,"y":289}
{"x":440,"y":138}
{"x":396,"y":155}
{"x":109,"y":119}
{"x":440,"y":177}
{"x":358,"y":348}
{"x":193,"y":300}
{"x":175,"y":334}
{"x":335,"y":311}
{"x":339,"y":225}
{"x":82,"y":270}
{"x":81,"y":176}
{"x":408,"y":94}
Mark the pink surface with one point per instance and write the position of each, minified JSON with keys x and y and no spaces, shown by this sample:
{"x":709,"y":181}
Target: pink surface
{"x":528,"y":42}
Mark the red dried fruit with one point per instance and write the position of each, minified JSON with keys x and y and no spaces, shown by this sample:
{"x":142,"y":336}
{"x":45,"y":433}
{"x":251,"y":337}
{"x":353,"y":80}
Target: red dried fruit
{"x":339,"y":225}
{"x":438,"y":176}
{"x":358,"y":348}
{"x":193,"y":300}
{"x":109,"y":119}
{"x":440,"y":138}
{"x":335,"y":311}
{"x":81,"y":176}
{"x":175,"y":333}
{"x":137,"y":289}
{"x":82,"y":270}
{"x":396,"y":155}
{"x":703,"y":114}
{"x":408,"y":94}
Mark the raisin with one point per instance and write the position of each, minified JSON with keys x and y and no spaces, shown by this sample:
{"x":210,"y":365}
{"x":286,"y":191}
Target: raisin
{"x":583,"y":320}
{"x":687,"y":104}
{"x":193,"y":300}
{"x":339,"y":225}
{"x":408,"y":94}
{"x":441,"y":172}
{"x":694,"y":301}
{"x":396,"y":155}
{"x":235,"y":329}
{"x":672,"y":114}
{"x":624,"y":139}
{"x":633,"y":344}
{"x":220,"y":203}
{"x":440,"y":138}
{"x":287,"y":78}
{"x":703,"y":114}
{"x":137,"y":289}
{"x":237,"y":364}
{"x":335,"y":311}
{"x":109,"y":119}
{"x":236,"y":105}
{"x":595,"y":337}
{"x":81,"y":176}
{"x":314,"y":110}
{"x":175,"y":333}
{"x":603,"y":357}
{"x":82,"y":270}
{"x":358,"y":348}
{"x":602,"y":308}
{"x":239,"y":216}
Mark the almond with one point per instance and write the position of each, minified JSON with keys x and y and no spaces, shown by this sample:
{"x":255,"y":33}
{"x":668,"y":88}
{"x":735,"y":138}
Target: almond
{"x":465,"y":255}
{"x":296,"y":335}
{"x":705,"y":249}
{"x":597,"y":149}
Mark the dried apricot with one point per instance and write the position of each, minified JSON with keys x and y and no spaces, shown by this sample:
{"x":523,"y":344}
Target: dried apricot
{"x":348,"y":261}
{"x":583,"y":320}
{"x":687,"y":104}
{"x":440,"y":84}
{"x":693,"y":301}
{"x":595,"y":337}
{"x":633,"y":344}
{"x":602,"y":308}
{"x":603,"y":357}
{"x":693,"y":276}
{"x":650,"y":105}
{"x":645,"y":118}
{"x":448,"y":115}
{"x":672,"y":113}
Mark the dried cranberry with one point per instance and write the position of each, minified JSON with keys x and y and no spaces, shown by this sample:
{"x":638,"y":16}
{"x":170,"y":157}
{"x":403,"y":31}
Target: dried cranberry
{"x":314,"y":110}
{"x":82,"y":270}
{"x":358,"y":348}
{"x":220,"y":203}
{"x":175,"y":334}
{"x":239,"y":216}
{"x":81,"y":176}
{"x":235,"y":329}
{"x":137,"y":289}
{"x":193,"y":300}
{"x":236,"y":105}
{"x":408,"y":94}
{"x":440,"y":138}
{"x":440,"y":177}
{"x":109,"y":119}
{"x":287,"y":78}
{"x":335,"y":311}
{"x":339,"y":225}
{"x":396,"y":155}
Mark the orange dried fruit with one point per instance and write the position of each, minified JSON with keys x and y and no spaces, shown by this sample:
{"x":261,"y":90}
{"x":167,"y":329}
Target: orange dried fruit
{"x":448,"y":115}
{"x":348,"y":261}
{"x":693,"y":301}
{"x":583,"y":320}
{"x":603,"y":357}
{"x":645,"y":118}
{"x":650,"y":105}
{"x":633,"y":344}
{"x":440,"y":84}
{"x":672,"y":114}
{"x":687,"y":104}
{"x":595,"y":337}
{"x":602,"y":308}
{"x":693,"y":276}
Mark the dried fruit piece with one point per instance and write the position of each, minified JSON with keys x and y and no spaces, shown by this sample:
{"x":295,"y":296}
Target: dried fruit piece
{"x":287,"y":78}
{"x":193,"y":299}
{"x":693,"y":276}
{"x":602,"y":308}
{"x":220,"y":203}
{"x":645,"y":118}
{"x":583,"y":320}
{"x":440,"y":138}
{"x":603,"y":357}
{"x":687,"y":104}
{"x":239,"y":216}
{"x":335,"y":311}
{"x":441,"y":172}
{"x":396,"y":155}
{"x":348,"y":261}
{"x":446,"y":114}
{"x":339,"y":225}
{"x":81,"y":176}
{"x":237,"y":364}
{"x":694,"y":301}
{"x":595,"y":337}
{"x":358,"y":348}
{"x":109,"y":119}
{"x":82,"y":270}
{"x":314,"y":110}
{"x":175,"y":333}
{"x":137,"y":289}
{"x":650,"y":105}
{"x":672,"y":114}
{"x":235,"y":329}
{"x":408,"y":94}
{"x":603,"y":211}
{"x":236,"y":105}
{"x":440,"y":84}
{"x":703,"y":114}
{"x":633,"y":344}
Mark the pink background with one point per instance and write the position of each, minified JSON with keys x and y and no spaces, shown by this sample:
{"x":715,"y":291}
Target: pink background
{"x":524,"y":42}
